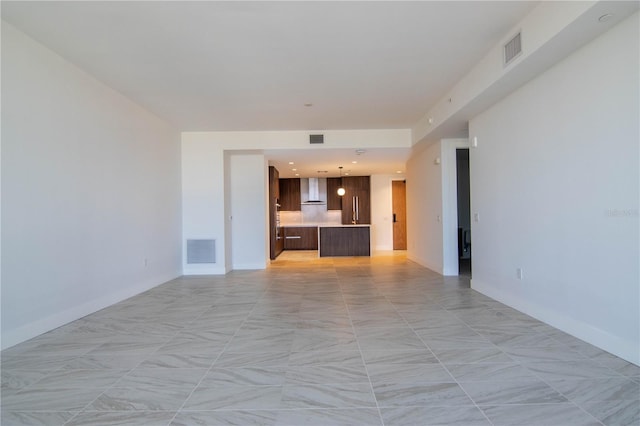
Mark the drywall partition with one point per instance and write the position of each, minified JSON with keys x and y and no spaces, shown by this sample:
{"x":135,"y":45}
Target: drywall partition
{"x":555,"y":181}
{"x":248,"y":201}
{"x":90,"y":193}
{"x":208,"y":169}
{"x":203,"y":202}
{"x":424,"y":207}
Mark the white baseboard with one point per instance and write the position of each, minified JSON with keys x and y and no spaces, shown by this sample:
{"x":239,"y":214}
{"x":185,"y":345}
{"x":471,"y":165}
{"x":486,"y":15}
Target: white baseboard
{"x":435,"y":268}
{"x":623,"y":348}
{"x":248,"y":266}
{"x":205,"y":269}
{"x":43,"y":325}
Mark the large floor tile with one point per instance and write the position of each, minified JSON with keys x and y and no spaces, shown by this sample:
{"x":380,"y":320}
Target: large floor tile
{"x":53,"y":399}
{"x":408,"y":373}
{"x":234,"y":397}
{"x":123,"y":418}
{"x":340,"y":395}
{"x":156,"y":398}
{"x":616,"y":412}
{"x":226,"y":418}
{"x":329,"y":416}
{"x":35,"y":418}
{"x":519,"y":392}
{"x":408,"y":394}
{"x":539,"y":414}
{"x":433,"y":415}
{"x":326,"y":341}
{"x":593,"y":390}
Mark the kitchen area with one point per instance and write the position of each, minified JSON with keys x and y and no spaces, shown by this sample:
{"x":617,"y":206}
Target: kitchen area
{"x":309,"y":214}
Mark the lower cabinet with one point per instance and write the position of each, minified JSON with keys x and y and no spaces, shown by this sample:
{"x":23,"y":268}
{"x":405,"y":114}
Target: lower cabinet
{"x":301,"y":238}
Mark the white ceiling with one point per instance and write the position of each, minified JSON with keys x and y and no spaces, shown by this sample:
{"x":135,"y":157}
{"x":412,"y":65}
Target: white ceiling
{"x":226,"y":66}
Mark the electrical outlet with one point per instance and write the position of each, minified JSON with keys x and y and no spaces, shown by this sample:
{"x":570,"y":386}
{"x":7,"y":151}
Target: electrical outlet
{"x":519,"y":274}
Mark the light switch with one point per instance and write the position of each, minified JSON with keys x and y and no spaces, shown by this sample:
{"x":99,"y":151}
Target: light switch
{"x":476,"y":217}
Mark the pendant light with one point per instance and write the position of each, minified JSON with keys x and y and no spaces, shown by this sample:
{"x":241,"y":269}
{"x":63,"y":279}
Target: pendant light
{"x":341,"y":190}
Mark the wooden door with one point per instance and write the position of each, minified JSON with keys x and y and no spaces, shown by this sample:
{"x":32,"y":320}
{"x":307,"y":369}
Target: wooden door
{"x":399,"y":201}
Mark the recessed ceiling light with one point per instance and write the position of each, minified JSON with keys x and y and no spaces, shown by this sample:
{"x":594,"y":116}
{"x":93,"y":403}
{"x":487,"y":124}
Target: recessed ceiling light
{"x":398,"y":171}
{"x":354,"y":162}
{"x":346,"y":174}
{"x":290,"y":162}
{"x":293,"y":170}
{"x":605,"y":17}
{"x":297,"y":174}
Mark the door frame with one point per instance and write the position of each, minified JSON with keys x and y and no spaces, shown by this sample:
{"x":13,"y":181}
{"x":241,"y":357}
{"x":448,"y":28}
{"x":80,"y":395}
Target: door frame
{"x":450,"y":204}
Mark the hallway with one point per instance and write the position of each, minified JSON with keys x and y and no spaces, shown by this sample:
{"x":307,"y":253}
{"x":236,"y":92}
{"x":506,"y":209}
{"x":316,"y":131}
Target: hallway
{"x":309,"y":341}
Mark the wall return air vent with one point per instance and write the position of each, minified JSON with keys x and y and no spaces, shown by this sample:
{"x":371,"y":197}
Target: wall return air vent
{"x":513,"y":48}
{"x":201,"y":251}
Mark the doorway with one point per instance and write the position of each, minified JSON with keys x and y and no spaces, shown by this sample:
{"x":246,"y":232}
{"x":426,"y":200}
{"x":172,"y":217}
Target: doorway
{"x":464,"y":211}
{"x":399,"y":206}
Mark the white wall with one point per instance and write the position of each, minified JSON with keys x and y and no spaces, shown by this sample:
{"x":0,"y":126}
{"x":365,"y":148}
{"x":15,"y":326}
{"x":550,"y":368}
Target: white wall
{"x":555,"y":181}
{"x":425,"y":207}
{"x":382,"y":211}
{"x":90,"y":187}
{"x":248,"y":184}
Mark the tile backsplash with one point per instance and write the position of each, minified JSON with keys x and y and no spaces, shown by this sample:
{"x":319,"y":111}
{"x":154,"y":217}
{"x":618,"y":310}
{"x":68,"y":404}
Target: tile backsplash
{"x":311,"y":214}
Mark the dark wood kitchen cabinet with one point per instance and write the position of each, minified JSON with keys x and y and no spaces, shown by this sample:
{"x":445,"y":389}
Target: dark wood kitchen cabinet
{"x":301,"y":238}
{"x":345,"y":241}
{"x":356,"y":203}
{"x":275,"y":238}
{"x":334,"y":201}
{"x":290,"y":194}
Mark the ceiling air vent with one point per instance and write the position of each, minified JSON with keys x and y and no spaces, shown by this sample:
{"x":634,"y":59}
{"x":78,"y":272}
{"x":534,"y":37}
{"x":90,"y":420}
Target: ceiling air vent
{"x":513,"y":49}
{"x":316,"y":138}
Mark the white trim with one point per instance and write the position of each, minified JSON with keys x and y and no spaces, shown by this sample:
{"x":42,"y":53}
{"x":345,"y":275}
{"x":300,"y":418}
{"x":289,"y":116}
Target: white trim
{"x":623,"y":348}
{"x":450,"y":204}
{"x":36,"y":328}
{"x":435,"y":268}
{"x":249,"y":266}
{"x":205,"y":269}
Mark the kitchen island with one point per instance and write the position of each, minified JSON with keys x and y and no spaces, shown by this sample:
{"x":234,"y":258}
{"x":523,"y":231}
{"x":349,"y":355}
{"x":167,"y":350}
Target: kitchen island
{"x":344,"y":240}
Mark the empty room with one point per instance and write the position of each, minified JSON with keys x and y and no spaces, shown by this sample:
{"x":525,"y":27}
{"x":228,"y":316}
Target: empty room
{"x":320,"y":213}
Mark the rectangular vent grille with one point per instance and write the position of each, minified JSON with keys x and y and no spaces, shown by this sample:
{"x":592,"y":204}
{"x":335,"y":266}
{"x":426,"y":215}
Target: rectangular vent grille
{"x":513,"y":49}
{"x":316,"y":138}
{"x":201,"y":251}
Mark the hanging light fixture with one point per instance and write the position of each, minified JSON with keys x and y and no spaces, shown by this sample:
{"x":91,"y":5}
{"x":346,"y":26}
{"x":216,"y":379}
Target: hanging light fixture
{"x":341,"y":190}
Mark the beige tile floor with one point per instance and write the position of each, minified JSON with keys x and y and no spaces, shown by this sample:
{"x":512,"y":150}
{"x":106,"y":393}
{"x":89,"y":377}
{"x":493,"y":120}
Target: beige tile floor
{"x":332,"y":341}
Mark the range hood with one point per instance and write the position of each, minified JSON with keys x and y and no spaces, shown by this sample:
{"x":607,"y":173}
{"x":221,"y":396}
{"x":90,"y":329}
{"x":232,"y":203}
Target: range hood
{"x":313,"y":191}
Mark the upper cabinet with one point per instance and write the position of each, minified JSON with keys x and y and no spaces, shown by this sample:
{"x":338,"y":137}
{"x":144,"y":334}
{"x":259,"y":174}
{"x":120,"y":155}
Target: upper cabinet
{"x":356,"y":204}
{"x":290,"y":194}
{"x":334,"y":201}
